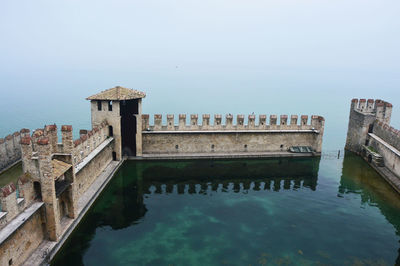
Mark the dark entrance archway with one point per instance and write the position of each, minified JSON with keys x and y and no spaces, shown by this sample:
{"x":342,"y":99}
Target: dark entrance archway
{"x":128,"y":110}
{"x":370,"y":158}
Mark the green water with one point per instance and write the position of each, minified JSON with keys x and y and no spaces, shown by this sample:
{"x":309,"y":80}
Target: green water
{"x":309,"y":211}
{"x":11,"y":175}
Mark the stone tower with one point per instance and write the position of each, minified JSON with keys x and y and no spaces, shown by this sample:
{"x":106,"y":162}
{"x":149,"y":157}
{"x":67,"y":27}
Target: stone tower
{"x":363,"y":114}
{"x":121,"y":108}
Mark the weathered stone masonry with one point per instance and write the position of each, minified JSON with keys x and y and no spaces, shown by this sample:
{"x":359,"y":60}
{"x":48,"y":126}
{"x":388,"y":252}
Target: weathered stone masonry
{"x":371,"y":136}
{"x":62,"y":179}
{"x":230,"y":138}
{"x":10,"y":148}
{"x":56,"y":175}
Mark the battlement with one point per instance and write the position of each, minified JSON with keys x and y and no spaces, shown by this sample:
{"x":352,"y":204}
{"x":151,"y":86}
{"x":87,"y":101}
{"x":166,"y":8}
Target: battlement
{"x":316,"y":122}
{"x":388,"y":133}
{"x":10,"y":149}
{"x":380,"y":109}
{"x":15,"y":198}
{"x":47,"y":136}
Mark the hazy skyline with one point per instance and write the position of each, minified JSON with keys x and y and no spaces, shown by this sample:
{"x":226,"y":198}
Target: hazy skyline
{"x":273,"y":57}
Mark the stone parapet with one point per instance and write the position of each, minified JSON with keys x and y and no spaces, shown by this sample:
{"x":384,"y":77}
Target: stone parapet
{"x":10,"y":148}
{"x":241,"y":123}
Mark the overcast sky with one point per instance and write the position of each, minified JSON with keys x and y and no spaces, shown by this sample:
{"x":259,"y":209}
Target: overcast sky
{"x":205,"y":56}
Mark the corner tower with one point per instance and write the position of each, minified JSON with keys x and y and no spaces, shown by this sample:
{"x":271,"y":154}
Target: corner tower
{"x":121,"y":108}
{"x":363,"y":114}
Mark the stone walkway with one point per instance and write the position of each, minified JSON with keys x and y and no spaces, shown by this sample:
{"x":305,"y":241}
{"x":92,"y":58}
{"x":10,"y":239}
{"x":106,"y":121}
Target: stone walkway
{"x":391,"y":178}
{"x":212,"y":155}
{"x":47,"y":249}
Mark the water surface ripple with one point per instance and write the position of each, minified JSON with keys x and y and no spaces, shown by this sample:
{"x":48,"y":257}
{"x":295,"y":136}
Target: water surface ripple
{"x":311,"y":211}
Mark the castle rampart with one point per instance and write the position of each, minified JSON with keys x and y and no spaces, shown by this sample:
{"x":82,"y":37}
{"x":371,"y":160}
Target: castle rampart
{"x":56,"y":175}
{"x":371,"y":136}
{"x":10,"y":149}
{"x":195,"y":138}
{"x":62,"y":179}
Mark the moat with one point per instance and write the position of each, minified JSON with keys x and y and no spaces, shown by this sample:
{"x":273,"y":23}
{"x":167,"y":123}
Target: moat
{"x":298,"y":211}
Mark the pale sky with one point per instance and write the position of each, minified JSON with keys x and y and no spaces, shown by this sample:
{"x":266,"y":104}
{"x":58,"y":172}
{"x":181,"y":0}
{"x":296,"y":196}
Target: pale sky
{"x":209,"y":56}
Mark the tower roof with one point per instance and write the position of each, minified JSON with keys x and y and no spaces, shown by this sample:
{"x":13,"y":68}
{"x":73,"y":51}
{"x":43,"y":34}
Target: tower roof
{"x":118,"y":94}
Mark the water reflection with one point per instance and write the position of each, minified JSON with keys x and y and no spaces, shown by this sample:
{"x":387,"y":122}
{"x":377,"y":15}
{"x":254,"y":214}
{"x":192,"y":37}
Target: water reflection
{"x":358,"y":178}
{"x":216,"y":212}
{"x":122,"y":204}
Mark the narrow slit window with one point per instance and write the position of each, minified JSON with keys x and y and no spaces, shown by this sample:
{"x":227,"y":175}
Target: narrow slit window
{"x":109,"y":105}
{"x":99,"y":105}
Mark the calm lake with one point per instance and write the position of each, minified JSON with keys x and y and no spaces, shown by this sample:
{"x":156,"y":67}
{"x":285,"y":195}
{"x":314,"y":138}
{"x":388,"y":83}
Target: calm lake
{"x":308,"y":211}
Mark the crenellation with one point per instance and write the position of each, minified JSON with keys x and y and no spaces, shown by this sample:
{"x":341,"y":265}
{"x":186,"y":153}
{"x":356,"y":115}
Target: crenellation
{"x":170,"y":122}
{"x":283,"y":120}
{"x":252,"y":122}
{"x":182,"y":122}
{"x":304,"y":120}
{"x":51,"y":132}
{"x":25,"y":132}
{"x":293,"y":120}
{"x":240,"y":121}
{"x":217,"y":121}
{"x":157,"y":122}
{"x":273,"y":120}
{"x":362,"y":105}
{"x":370,"y":105}
{"x":67,"y":138}
{"x":145,"y":122}
{"x":262,"y":122}
{"x":284,"y":123}
{"x":205,"y":121}
{"x":193,"y":122}
{"x":229,"y":121}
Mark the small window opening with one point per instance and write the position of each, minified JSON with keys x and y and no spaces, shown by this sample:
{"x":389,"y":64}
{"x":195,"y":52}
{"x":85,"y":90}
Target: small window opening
{"x":370,"y":158}
{"x":281,"y":146}
{"x":110,"y":131}
{"x":245,"y":146}
{"x":212,"y":146}
{"x":366,"y":142}
{"x":10,"y":262}
{"x":99,"y":105}
{"x":176,"y":146}
{"x":114,"y":156}
{"x":169,"y":123}
{"x":109,"y":105}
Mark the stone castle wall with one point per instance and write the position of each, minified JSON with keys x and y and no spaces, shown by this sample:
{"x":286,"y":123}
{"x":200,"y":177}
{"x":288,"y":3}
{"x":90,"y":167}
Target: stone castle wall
{"x":228,"y":137}
{"x":16,"y":249}
{"x":363,"y":114}
{"x":10,"y":148}
{"x":387,"y":133}
{"x":370,"y":135}
{"x":85,"y":177}
{"x":388,"y":146}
